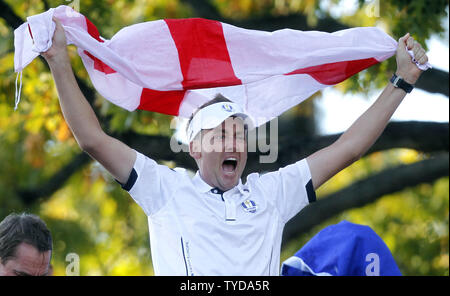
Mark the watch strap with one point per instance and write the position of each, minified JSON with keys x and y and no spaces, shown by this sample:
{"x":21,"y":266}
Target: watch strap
{"x":399,"y":82}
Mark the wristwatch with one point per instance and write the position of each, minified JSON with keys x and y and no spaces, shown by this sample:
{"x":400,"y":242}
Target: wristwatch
{"x":398,"y":82}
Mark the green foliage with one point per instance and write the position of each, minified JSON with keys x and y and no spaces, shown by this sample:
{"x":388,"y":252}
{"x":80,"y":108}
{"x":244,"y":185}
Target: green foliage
{"x":422,"y":19}
{"x":413,"y":223}
{"x":97,"y":220}
{"x":92,"y":216}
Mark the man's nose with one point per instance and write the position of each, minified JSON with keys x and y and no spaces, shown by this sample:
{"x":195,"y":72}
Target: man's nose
{"x":230,"y":144}
{"x":234,"y":144}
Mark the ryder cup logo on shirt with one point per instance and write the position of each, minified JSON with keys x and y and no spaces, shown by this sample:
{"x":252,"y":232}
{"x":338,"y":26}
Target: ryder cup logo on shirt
{"x":249,"y":206}
{"x":227,"y":107}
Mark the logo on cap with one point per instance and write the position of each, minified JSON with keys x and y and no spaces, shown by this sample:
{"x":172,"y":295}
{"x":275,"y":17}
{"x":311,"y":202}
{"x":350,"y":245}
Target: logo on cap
{"x":227,"y":107}
{"x":249,"y":206}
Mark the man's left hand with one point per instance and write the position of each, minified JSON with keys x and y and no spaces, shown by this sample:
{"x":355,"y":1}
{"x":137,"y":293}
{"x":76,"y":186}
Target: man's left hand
{"x":406,"y":68}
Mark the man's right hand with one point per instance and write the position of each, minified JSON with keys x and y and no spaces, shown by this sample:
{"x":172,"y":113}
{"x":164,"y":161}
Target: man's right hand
{"x":58,"y":50}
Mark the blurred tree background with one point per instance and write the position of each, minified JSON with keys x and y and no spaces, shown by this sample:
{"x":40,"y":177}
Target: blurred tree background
{"x":400,"y":188}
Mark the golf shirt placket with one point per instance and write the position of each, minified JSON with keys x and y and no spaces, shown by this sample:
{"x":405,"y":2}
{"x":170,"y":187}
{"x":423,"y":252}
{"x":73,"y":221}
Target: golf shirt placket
{"x":195,"y":229}
{"x":230,"y":205}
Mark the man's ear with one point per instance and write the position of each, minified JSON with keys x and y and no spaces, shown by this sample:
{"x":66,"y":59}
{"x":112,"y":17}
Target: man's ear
{"x":195,"y":149}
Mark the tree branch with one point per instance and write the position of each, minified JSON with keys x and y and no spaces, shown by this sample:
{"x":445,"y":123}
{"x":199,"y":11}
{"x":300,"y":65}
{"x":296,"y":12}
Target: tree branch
{"x":205,"y":9}
{"x":11,"y":18}
{"x":157,"y":147}
{"x":367,"y":191}
{"x":55,"y":182}
{"x":422,"y":136}
{"x":298,"y":21}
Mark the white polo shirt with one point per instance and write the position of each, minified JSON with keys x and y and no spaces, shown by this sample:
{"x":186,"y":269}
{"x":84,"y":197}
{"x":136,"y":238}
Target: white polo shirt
{"x":197,"y":230}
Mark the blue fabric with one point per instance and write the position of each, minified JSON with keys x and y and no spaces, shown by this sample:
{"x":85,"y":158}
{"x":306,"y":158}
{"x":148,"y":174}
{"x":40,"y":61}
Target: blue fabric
{"x":344,"y":249}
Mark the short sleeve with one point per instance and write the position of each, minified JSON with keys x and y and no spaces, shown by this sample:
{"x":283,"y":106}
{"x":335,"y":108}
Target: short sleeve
{"x":150,"y":184}
{"x":290,"y":188}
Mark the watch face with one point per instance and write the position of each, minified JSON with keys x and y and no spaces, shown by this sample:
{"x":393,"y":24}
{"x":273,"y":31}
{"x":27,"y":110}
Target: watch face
{"x":395,"y":80}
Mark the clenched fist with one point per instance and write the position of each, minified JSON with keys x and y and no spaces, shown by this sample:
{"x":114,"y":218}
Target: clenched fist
{"x":406,"y":68}
{"x":58,"y":51}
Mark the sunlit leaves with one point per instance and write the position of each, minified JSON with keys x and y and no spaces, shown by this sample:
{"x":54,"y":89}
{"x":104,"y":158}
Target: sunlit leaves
{"x":92,"y":216}
{"x":413,"y":223}
{"x":110,"y":236}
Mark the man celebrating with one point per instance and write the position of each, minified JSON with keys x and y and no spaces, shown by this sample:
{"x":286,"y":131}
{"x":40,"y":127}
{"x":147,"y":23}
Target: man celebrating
{"x":213,"y":224}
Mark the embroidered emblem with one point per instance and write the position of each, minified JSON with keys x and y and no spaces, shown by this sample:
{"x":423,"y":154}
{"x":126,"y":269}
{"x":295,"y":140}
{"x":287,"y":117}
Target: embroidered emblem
{"x":227,"y":107}
{"x":249,"y":206}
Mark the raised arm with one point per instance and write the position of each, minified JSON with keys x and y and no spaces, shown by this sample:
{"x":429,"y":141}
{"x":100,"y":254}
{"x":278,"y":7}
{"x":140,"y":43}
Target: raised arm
{"x":355,"y":142}
{"x":114,"y":155}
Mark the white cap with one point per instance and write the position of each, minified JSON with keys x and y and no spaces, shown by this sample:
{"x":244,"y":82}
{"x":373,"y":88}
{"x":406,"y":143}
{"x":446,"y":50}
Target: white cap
{"x":213,"y":115}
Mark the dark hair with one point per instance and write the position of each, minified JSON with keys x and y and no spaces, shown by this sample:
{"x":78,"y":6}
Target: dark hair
{"x":23,"y":228}
{"x":219,"y":98}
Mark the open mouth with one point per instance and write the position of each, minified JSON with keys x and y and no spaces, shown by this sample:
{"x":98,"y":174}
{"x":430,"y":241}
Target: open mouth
{"x":229,"y":165}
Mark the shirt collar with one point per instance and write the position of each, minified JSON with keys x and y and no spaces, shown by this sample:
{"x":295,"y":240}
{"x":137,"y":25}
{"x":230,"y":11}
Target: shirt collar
{"x":204,"y":187}
{"x":199,"y":184}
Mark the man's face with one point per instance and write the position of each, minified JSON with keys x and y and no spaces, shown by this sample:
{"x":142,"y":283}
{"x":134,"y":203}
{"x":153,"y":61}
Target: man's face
{"x":223,"y":154}
{"x":27,"y":262}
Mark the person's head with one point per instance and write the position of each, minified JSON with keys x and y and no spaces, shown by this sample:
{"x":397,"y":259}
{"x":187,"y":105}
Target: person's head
{"x":25,"y":246}
{"x":217,"y":134}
